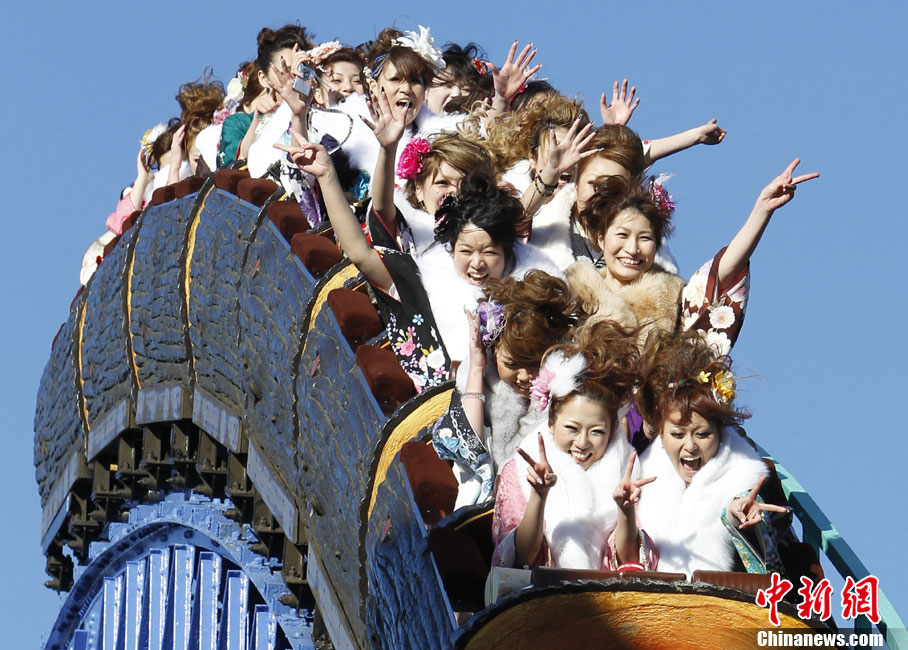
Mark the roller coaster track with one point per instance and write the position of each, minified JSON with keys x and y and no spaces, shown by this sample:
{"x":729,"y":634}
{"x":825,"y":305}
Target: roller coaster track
{"x":220,"y":442}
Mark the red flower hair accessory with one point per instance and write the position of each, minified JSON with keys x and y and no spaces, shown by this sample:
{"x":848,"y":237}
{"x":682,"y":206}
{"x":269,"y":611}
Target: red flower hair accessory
{"x":409,"y":165}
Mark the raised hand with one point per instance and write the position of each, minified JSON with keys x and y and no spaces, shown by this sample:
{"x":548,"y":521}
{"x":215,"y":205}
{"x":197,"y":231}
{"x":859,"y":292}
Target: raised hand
{"x":782,"y":188}
{"x":514,"y":73}
{"x":477,"y":351}
{"x":627,"y":493}
{"x":564,"y":155}
{"x":748,"y":511}
{"x":622,"y":107}
{"x":176,"y":144}
{"x":539,"y":474}
{"x":286,"y":75}
{"x":387,"y":128}
{"x":711,"y":133}
{"x":264,"y":103}
{"x":142,"y":170}
{"x":308,"y":156}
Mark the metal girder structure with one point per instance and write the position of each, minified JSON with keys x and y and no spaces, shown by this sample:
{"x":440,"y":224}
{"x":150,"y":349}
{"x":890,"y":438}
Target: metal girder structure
{"x":180,"y":574}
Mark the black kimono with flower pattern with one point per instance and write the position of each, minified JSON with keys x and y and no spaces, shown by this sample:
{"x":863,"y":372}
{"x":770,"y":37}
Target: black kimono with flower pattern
{"x":408,"y":319}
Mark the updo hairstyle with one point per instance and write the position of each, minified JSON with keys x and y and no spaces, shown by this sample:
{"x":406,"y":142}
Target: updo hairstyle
{"x":462,"y":154}
{"x":613,"y":195}
{"x":670,"y":368}
{"x":539,"y":311}
{"x":611,"y":358}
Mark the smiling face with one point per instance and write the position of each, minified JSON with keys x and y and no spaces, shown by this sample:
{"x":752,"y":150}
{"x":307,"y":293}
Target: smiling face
{"x":405,"y":96}
{"x":582,"y":429}
{"x":689,"y":446}
{"x":628,"y":246}
{"x":338,"y":81}
{"x":515,"y":374}
{"x":433,"y":190}
{"x":476,"y":257}
{"x":594,"y":168}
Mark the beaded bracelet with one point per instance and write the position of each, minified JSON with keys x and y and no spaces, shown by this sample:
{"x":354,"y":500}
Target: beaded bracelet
{"x":543,"y":188}
{"x":479,"y":396}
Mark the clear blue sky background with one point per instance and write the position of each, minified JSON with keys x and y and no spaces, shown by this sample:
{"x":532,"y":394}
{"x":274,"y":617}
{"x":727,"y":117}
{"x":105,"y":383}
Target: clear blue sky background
{"x":823,"y":81}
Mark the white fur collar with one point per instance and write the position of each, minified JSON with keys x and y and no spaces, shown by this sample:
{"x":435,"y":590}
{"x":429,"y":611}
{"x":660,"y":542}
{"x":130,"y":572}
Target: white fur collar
{"x":684,"y":520}
{"x":449,"y":294}
{"x":510,"y":418}
{"x":552,"y":227}
{"x":580,"y":512}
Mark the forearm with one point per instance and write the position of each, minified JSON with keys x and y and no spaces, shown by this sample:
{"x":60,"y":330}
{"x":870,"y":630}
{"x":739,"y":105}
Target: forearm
{"x":472,"y":405}
{"x":533,"y":198}
{"x":243,"y":151}
{"x":349,"y":234}
{"x":176,"y":162}
{"x":529,"y":534}
{"x":744,"y":243}
{"x":662,"y":147}
{"x":138,"y":190}
{"x":627,"y":538}
{"x":383,"y":186}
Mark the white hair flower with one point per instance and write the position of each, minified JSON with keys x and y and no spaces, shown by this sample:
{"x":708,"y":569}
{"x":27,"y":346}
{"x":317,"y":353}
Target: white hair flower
{"x":235,"y":89}
{"x":423,"y":44}
{"x":322,"y":51}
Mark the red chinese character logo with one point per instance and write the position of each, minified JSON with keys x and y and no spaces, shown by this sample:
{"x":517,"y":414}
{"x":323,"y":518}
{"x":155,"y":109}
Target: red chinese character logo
{"x":815,"y":599}
{"x":772,"y":595}
{"x":860,"y":598}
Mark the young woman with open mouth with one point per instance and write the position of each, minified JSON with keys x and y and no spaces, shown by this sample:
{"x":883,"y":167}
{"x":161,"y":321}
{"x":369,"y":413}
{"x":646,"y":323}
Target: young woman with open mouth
{"x":703,"y":511}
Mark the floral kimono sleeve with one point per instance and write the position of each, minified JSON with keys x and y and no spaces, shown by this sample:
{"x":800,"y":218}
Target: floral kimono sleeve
{"x":648,"y":553}
{"x":715,"y":312}
{"x":408,"y":320}
{"x":454,"y":439}
{"x":399,"y":239}
{"x":764,"y":558}
{"x":510,"y":506}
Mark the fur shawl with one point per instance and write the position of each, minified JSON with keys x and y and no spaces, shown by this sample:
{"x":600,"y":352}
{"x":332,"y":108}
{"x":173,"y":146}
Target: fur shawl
{"x":449,"y":294}
{"x":510,"y":419}
{"x":684,"y":521}
{"x":651,"y":301}
{"x":580,"y":512}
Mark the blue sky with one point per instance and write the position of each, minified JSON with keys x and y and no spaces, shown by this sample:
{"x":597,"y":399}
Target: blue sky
{"x":824,"y":81}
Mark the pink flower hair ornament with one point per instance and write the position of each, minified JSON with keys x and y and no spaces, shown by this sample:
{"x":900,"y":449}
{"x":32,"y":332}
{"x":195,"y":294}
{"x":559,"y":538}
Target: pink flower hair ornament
{"x":409,"y":165}
{"x":661,"y":195}
{"x":559,"y":377}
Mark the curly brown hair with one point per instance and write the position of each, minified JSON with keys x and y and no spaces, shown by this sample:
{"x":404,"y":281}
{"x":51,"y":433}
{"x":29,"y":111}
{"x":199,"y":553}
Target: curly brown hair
{"x":670,"y":366}
{"x":198,"y":101}
{"x":611,"y":365}
{"x":517,"y":136}
{"x":539,"y":311}
{"x":613,"y":195}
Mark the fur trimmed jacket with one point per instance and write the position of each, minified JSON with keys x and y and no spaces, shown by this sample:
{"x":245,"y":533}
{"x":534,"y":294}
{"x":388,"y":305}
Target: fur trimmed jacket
{"x":684,"y":521}
{"x":652,"y":301}
{"x":580,"y":512}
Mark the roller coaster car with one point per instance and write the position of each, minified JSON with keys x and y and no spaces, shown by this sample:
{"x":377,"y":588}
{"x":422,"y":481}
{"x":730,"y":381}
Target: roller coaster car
{"x":226,"y":351}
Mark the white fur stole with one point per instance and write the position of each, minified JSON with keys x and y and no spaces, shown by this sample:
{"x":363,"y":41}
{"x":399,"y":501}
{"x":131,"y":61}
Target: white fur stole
{"x":684,"y":520}
{"x":580,"y":512}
